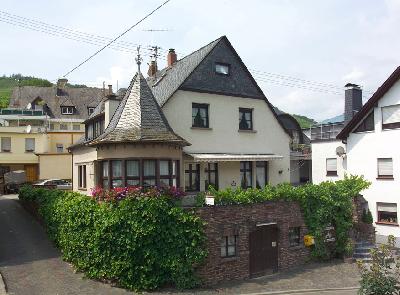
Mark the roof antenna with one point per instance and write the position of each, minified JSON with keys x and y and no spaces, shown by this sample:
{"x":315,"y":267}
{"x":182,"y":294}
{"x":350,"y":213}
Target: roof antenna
{"x":138,"y":58}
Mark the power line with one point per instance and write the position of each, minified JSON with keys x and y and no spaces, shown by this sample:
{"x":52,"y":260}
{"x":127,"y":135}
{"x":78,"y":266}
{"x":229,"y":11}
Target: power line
{"x":115,"y":39}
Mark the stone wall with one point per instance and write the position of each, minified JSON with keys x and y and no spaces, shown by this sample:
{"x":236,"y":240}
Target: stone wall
{"x":362,"y":231}
{"x":240,"y":220}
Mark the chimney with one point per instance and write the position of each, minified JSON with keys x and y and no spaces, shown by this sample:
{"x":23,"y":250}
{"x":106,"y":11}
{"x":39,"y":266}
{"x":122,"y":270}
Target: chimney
{"x":61,"y":83}
{"x":152,"y":69}
{"x":172,"y":57}
{"x":110,"y":106}
{"x":352,"y":101}
{"x":110,"y":92}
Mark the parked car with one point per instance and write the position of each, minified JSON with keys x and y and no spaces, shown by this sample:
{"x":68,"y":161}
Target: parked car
{"x":57,"y":183}
{"x":13,"y":180}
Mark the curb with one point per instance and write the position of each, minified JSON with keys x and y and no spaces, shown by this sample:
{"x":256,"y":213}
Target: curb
{"x":300,"y":291}
{"x":2,"y":286}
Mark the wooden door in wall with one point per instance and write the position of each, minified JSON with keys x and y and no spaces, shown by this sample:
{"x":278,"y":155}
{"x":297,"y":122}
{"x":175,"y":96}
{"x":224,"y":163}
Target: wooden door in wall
{"x":31,"y":173}
{"x":263,"y":244}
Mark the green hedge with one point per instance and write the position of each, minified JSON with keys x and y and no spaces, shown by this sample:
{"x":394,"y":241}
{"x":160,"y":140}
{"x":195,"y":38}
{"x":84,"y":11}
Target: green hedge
{"x":137,"y":243}
{"x":323,"y":205}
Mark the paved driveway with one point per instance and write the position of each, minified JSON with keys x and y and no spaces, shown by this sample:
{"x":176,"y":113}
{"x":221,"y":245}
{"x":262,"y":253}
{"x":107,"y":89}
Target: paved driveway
{"x":31,"y":265}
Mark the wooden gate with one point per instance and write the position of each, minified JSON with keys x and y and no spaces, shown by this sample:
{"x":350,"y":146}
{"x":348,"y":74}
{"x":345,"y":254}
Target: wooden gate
{"x":31,"y":172}
{"x":264,"y":250}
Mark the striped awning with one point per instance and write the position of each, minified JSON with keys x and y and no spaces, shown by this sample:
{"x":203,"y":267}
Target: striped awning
{"x":198,"y":157}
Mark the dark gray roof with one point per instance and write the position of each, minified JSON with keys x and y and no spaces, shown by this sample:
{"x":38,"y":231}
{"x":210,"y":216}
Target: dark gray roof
{"x":80,"y":98}
{"x":138,"y":118}
{"x":169,"y":79}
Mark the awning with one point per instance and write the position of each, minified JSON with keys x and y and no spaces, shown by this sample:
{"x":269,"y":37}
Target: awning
{"x":233,"y":157}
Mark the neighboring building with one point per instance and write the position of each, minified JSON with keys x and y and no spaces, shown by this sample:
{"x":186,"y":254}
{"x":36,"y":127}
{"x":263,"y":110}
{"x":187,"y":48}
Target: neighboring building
{"x":370,"y":141}
{"x":326,"y":164}
{"x":40,"y":124}
{"x":300,"y":149}
{"x":201,"y":121}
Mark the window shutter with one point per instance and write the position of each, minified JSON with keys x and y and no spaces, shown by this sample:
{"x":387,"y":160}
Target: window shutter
{"x":387,"y":207}
{"x":331,"y":164}
{"x":6,"y":144}
{"x":391,"y":114}
{"x":29,"y":144}
{"x":385,"y":167}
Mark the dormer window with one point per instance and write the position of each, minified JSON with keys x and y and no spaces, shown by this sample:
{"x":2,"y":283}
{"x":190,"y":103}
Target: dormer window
{"x":67,"y":110}
{"x":90,"y":110}
{"x":222,"y":69}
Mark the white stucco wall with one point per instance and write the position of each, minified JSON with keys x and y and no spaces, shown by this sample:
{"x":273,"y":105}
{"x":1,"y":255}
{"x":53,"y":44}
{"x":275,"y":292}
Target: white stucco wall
{"x":223,"y":135}
{"x":84,"y":156}
{"x":320,"y":152}
{"x":364,"y":149}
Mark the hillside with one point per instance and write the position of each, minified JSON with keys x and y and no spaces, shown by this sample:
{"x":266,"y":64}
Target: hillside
{"x":304,"y":121}
{"x":7,"y":83}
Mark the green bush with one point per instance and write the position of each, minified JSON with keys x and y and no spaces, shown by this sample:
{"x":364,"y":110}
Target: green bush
{"x":367,"y":217}
{"x":323,"y":205}
{"x":137,"y":243}
{"x":382,"y":275}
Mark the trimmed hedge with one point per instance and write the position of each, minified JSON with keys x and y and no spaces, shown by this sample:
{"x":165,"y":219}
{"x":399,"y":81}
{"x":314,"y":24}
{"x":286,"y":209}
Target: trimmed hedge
{"x":323,"y":205}
{"x":136,"y":243}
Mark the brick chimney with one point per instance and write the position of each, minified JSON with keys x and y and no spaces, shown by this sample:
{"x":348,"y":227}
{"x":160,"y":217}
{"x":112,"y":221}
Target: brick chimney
{"x":352,"y":101}
{"x":152,"y":69}
{"x":61,"y":83}
{"x":172,"y":57}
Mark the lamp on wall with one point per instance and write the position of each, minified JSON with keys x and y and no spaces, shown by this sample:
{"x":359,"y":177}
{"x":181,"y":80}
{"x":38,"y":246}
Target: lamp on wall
{"x":233,"y":183}
{"x":280,"y":171}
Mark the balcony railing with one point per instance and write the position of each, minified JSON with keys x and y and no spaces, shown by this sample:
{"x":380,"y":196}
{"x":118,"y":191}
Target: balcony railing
{"x":325,"y":132}
{"x":22,"y":112}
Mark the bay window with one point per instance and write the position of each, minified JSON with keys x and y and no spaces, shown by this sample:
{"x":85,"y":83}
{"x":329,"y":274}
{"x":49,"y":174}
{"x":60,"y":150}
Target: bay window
{"x":116,"y":173}
{"x":149,"y":173}
{"x":132,"y":173}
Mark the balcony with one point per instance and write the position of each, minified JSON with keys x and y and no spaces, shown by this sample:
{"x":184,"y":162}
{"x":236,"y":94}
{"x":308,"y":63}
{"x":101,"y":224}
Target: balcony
{"x":300,"y":151}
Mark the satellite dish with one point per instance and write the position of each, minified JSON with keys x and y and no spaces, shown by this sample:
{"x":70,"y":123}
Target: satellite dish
{"x":29,"y":106}
{"x":28,"y":129}
{"x":340,"y":151}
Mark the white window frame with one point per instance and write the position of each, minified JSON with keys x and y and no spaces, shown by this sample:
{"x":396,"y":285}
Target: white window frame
{"x":67,"y":110}
{"x":331,"y":172}
{"x":386,"y":208}
{"x":385,"y":168}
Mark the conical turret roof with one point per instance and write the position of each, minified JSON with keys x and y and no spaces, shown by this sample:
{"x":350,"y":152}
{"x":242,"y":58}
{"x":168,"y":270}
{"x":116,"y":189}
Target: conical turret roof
{"x":138,"y":118}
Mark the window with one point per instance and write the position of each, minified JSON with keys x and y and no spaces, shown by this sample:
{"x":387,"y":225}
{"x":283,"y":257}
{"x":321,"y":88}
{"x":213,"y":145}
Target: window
{"x":29,"y":144}
{"x":228,"y":246}
{"x":63,"y":127}
{"x":200,"y":115}
{"x":116,"y":174}
{"x":67,"y":110}
{"x":192,"y":177}
{"x":391,"y":117}
{"x":385,"y":168}
{"x":76,"y":127}
{"x":89,"y":131}
{"x":52,"y":127}
{"x":149,"y":173}
{"x":6,"y":144}
{"x":222,"y":69}
{"x":132,"y":173}
{"x":90,"y":110}
{"x":387,"y":212}
{"x":368,"y":124}
{"x":245,"y":119}
{"x":98,"y":128}
{"x":60,"y":148}
{"x":261,"y":174}
{"x":331,"y":167}
{"x":105,"y":174}
{"x":294,"y":236}
{"x":211,"y":175}
{"x":246,"y":174}
{"x":82,"y":176}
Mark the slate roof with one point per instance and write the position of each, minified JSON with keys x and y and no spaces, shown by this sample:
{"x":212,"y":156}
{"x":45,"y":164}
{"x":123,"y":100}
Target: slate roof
{"x":169,"y":79}
{"x":138,"y":118}
{"x":80,"y":98}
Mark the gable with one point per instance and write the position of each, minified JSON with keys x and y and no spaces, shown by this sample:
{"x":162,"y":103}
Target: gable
{"x":238,"y":82}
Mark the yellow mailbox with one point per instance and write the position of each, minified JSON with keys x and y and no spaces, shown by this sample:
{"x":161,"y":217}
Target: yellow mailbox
{"x":308,"y":240}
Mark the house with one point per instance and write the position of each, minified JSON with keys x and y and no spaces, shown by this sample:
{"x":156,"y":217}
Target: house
{"x":40,"y":124}
{"x":201,"y":121}
{"x":370,"y":148}
{"x":326,"y":164}
{"x":300,"y":149}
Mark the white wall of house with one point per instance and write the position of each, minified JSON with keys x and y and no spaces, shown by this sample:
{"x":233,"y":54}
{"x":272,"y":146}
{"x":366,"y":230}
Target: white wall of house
{"x":84,"y":156}
{"x":363,"y":150}
{"x":224,"y":136}
{"x":321,"y":151}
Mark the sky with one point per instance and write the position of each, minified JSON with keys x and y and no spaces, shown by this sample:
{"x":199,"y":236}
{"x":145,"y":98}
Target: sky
{"x":302,"y":51}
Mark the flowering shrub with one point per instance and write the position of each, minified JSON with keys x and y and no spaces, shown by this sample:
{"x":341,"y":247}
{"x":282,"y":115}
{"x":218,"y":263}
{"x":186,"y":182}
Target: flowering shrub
{"x":121,"y":193}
